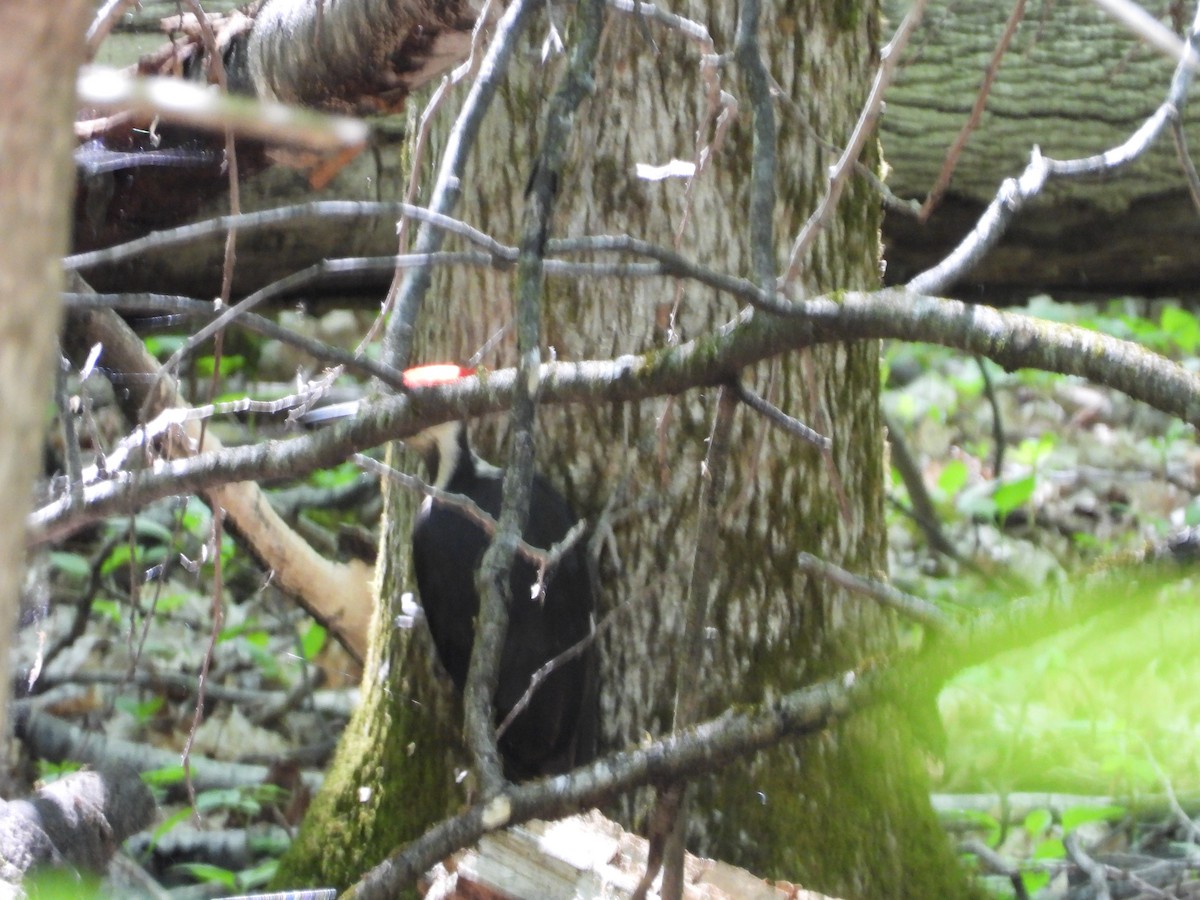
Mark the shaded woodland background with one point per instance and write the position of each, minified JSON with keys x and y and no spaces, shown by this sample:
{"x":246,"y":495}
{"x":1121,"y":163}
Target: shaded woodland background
{"x":1031,"y":478}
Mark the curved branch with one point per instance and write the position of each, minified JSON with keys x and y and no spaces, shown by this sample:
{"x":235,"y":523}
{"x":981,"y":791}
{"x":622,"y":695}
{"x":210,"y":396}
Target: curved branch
{"x":1011,"y":339}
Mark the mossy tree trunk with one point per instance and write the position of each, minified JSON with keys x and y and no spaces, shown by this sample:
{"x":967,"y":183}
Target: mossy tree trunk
{"x":847,"y":813}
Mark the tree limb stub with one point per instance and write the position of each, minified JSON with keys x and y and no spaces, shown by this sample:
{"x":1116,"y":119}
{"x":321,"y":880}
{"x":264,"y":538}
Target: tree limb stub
{"x":79,"y":820}
{"x":356,"y":57}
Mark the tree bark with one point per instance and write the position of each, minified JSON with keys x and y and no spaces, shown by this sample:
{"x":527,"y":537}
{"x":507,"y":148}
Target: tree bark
{"x":42,"y":49}
{"x":79,"y":820}
{"x":1074,"y":83}
{"x":847,"y":813}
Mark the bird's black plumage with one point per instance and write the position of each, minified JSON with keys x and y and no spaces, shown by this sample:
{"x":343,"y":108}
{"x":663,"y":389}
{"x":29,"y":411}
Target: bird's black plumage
{"x":558,"y":728}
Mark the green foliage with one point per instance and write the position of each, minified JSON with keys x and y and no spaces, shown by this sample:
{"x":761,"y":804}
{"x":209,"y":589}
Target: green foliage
{"x":230,"y":363}
{"x":52,"y":771}
{"x":72,"y":566}
{"x":1097,"y":709}
{"x":158,"y":780}
{"x":161,"y":346}
{"x":1084,"y":814}
{"x":239,"y":882}
{"x":312,"y":641}
{"x":54,"y":883}
{"x":256,"y":640}
{"x":141,"y":710}
{"x":1174,"y":332}
{"x":338,"y":476}
{"x":209,"y":874}
{"x":244,"y":802}
{"x":1010,"y":495}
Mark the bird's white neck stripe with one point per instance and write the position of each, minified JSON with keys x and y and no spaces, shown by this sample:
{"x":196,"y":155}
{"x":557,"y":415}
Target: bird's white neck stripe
{"x":449,"y":449}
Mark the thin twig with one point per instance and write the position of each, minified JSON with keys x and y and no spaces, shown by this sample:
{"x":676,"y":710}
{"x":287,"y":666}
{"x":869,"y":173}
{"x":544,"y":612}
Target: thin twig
{"x":989,"y":391}
{"x":778,"y":417}
{"x":923,"y":511}
{"x":545,"y":560}
{"x":863,"y":128}
{"x":470,"y":67}
{"x":106,"y":17}
{"x":998,"y":864}
{"x":1191,"y":176}
{"x":981,"y":98}
{"x":1095,"y":871}
{"x":405,"y":303}
{"x":910,"y":607}
{"x":1015,"y":193}
{"x":493,"y":576}
{"x":190,"y":307}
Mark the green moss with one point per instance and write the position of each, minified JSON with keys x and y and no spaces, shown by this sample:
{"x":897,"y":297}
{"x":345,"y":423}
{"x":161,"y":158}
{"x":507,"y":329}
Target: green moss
{"x":847,"y":14}
{"x":392,"y":775}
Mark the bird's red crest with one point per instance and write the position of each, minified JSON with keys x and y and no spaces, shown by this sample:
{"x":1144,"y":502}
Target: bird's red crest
{"x":438,"y":373}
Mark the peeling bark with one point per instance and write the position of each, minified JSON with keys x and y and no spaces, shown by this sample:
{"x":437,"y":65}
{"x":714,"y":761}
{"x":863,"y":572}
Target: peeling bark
{"x":363,"y":57}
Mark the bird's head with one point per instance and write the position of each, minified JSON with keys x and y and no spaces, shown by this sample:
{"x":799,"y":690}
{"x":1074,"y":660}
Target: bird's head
{"x":442,"y":446}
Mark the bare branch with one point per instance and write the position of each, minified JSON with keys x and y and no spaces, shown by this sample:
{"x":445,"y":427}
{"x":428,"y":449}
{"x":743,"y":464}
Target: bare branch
{"x":184,"y":103}
{"x":777,"y":416}
{"x":985,"y":89}
{"x":911,"y":607}
{"x":1011,"y":339}
{"x":890,"y":58}
{"x":1015,"y":193}
{"x":405,"y":299}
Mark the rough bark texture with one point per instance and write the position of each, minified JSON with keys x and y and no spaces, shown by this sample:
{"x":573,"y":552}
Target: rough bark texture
{"x":847,"y":813}
{"x":1074,"y":83}
{"x":362,"y":57}
{"x":78,"y":821}
{"x":38,"y":58}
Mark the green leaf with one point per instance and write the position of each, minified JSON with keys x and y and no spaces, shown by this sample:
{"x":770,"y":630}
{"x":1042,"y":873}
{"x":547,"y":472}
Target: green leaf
{"x":1034,"y":881}
{"x":163,"y":345}
{"x":170,"y":822}
{"x":312,"y":640}
{"x":1038,"y":821}
{"x":1081,"y":815}
{"x":208,"y":873}
{"x":234,"y":799}
{"x":72,"y":565}
{"x":984,"y":822}
{"x":338,"y":476}
{"x":51,"y":771}
{"x":163,"y":777}
{"x":120,"y":557}
{"x":229,"y":364}
{"x":1182,"y":328}
{"x":258,"y":876}
{"x":953,"y":477}
{"x":1032,"y":451}
{"x":110,"y":609}
{"x":139,"y":709}
{"x":1051,"y":848}
{"x":1013,"y":494}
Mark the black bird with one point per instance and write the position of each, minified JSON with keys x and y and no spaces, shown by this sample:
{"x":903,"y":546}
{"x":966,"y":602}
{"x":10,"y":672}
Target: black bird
{"x":558,"y":729}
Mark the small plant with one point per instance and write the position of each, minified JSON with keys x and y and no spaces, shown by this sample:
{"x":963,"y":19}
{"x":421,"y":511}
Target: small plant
{"x":52,"y":771}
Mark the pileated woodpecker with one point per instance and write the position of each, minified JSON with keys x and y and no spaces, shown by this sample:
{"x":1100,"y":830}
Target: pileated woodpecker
{"x":558,"y":728}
